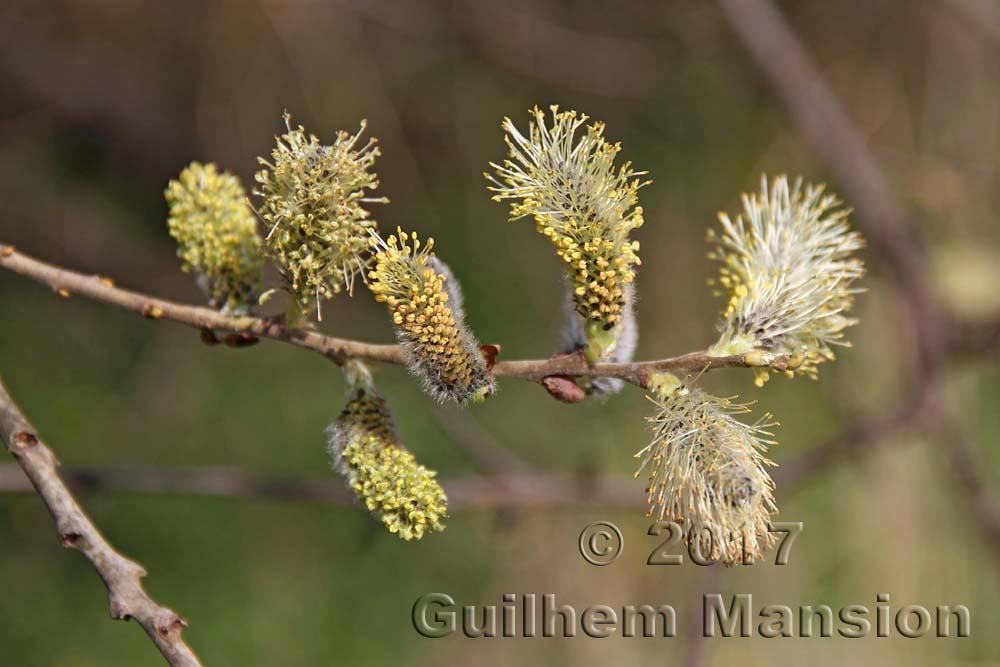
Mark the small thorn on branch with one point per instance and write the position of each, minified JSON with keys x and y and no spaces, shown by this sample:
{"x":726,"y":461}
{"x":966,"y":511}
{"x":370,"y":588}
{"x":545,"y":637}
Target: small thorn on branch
{"x":152,"y":311}
{"x":120,"y":611}
{"x":174,"y":624}
{"x":6,"y":251}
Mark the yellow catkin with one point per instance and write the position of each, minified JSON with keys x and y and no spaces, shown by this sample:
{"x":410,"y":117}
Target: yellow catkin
{"x":383,"y":474}
{"x":312,"y":204}
{"x":428,"y":319}
{"x":707,"y":472}
{"x":787,"y":271}
{"x":216,"y":234}
{"x":584,"y":205}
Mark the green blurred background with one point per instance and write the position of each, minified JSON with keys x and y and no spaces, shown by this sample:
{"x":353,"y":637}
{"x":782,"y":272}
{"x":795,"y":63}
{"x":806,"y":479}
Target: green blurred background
{"x":106,"y":100}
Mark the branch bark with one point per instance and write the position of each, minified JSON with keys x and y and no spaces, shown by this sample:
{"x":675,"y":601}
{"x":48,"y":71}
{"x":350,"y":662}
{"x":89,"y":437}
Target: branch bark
{"x":122,"y":576}
{"x":66,"y":283}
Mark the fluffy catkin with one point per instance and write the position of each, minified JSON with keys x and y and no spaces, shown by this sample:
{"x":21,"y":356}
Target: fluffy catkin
{"x":585,"y":205}
{"x":426,"y":307}
{"x":788,"y":271}
{"x":707,"y":472}
{"x":216,"y":234}
{"x":386,"y":477}
{"x":312,"y":202}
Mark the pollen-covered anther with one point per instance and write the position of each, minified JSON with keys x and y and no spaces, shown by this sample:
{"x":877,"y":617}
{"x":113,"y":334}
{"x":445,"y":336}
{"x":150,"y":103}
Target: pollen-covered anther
{"x":425,"y":303}
{"x":216,"y":234}
{"x":313,"y":201}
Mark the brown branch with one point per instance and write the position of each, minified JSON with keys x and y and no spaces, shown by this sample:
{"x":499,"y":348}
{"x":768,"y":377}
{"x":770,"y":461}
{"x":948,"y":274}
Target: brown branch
{"x":67,"y":283}
{"x":122,"y":576}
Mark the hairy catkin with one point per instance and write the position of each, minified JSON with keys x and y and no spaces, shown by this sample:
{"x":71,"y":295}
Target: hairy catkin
{"x":585,"y":205}
{"x":788,"y":270}
{"x":366,"y":449}
{"x":313,"y":199}
{"x":707,"y":471}
{"x":216,"y":234}
{"x":425,"y":302}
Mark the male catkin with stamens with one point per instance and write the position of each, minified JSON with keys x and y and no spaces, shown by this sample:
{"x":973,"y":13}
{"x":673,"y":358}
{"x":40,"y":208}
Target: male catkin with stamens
{"x":312,"y":204}
{"x":366,"y":449}
{"x":586,"y":206}
{"x":216,"y":234}
{"x":707,"y":471}
{"x":425,"y":302}
{"x":788,"y":268}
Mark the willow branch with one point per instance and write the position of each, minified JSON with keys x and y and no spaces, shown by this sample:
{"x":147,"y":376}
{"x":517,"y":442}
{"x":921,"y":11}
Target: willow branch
{"x":67,"y":283}
{"x":122,"y":576}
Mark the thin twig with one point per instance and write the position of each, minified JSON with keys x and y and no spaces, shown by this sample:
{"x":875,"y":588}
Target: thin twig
{"x":122,"y":576}
{"x":67,"y":283}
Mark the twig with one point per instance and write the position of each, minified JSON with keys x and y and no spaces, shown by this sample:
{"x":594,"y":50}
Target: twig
{"x":67,"y":283}
{"x":122,"y":576}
